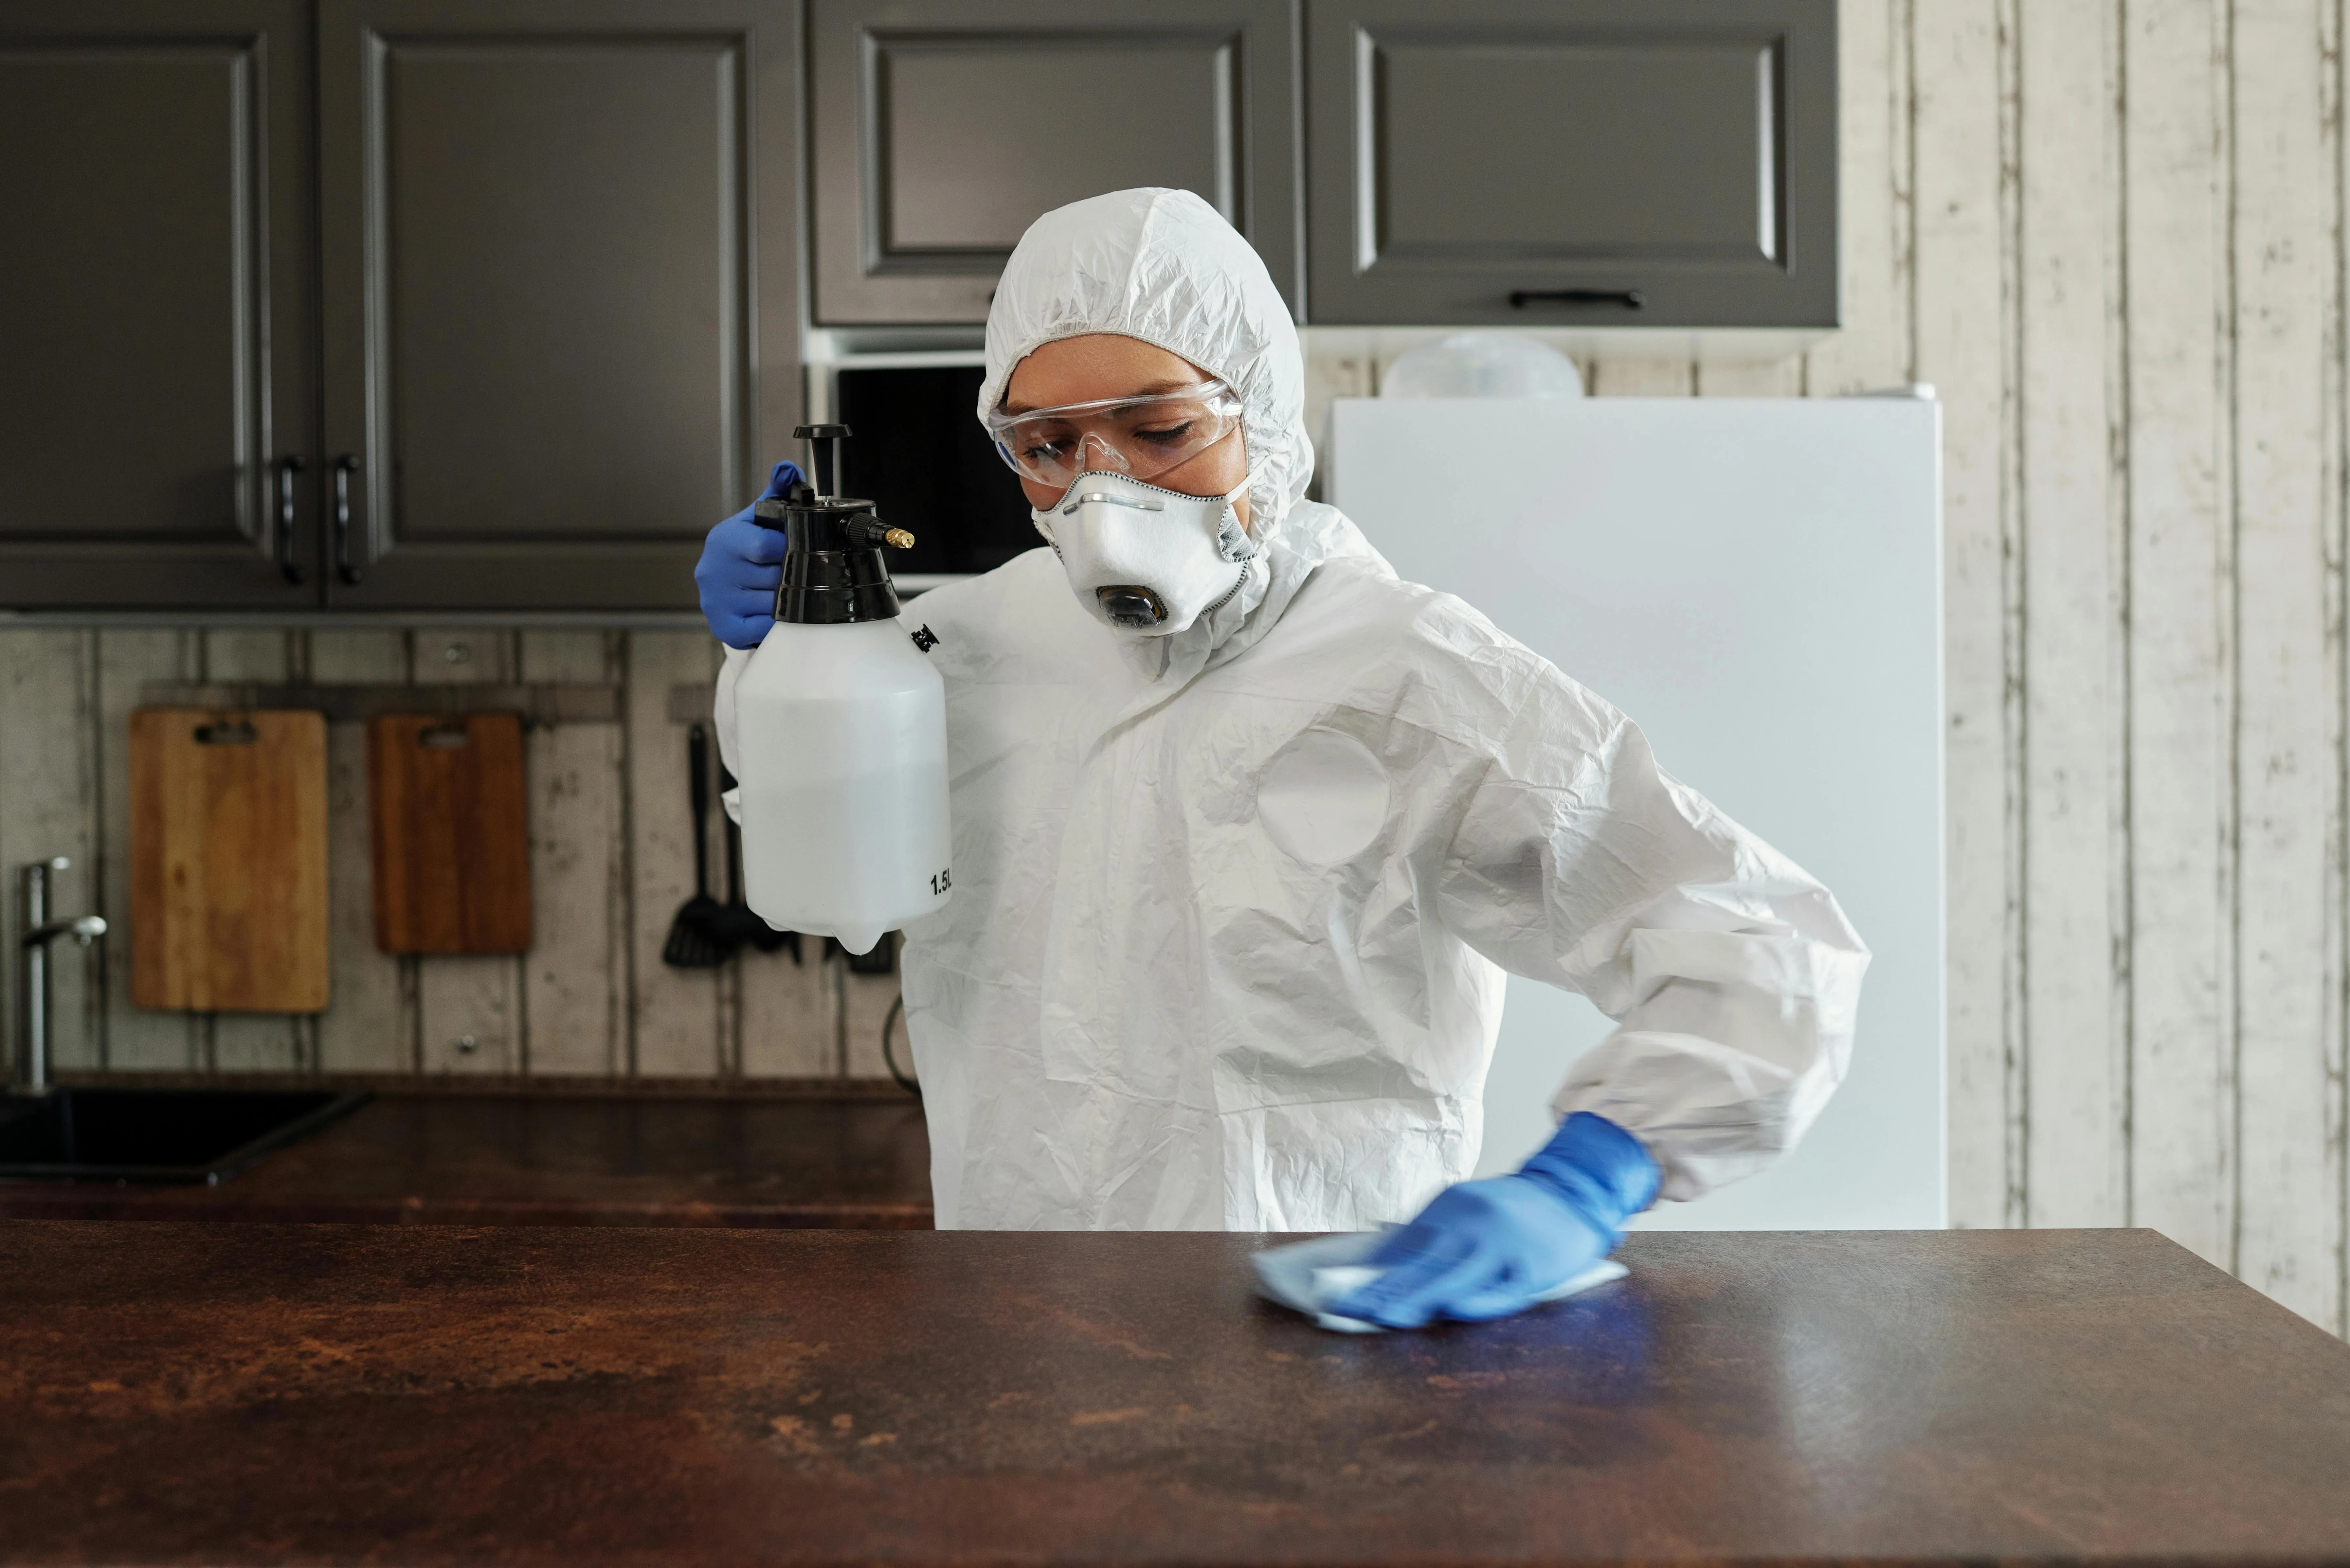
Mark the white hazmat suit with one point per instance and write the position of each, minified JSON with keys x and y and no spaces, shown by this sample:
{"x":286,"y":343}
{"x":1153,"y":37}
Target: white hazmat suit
{"x":1232,"y":908}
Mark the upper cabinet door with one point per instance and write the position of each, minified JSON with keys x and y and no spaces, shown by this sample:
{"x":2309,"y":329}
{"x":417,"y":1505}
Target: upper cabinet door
{"x":944,"y":127}
{"x":1669,"y":163}
{"x":155,"y":323}
{"x":560,"y":294}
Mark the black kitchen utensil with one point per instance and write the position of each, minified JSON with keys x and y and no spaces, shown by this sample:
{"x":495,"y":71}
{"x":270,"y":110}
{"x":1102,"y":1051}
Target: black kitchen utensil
{"x":695,"y":935}
{"x":736,"y":924}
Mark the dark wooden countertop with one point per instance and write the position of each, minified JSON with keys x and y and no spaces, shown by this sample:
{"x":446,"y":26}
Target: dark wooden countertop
{"x":183,"y":1394}
{"x":457,"y":1158}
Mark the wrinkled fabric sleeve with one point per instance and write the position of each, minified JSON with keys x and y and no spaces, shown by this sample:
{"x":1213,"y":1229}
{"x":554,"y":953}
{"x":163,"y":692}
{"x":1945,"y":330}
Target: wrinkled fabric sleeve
{"x":1732,"y":976}
{"x":722,"y":718}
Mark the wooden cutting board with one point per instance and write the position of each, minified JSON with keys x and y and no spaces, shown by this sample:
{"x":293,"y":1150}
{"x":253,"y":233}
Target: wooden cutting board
{"x":228,"y":860}
{"x":451,"y":832}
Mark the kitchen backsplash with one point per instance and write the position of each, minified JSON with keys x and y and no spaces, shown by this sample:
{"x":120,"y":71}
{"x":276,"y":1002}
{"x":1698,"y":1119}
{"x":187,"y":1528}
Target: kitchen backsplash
{"x":611,"y":856}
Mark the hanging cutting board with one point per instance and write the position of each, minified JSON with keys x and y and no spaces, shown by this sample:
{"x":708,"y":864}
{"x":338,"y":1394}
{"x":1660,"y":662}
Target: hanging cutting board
{"x":228,"y":860}
{"x":450,"y":832}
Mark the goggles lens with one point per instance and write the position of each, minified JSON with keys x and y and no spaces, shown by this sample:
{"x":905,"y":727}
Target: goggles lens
{"x":1139,"y":436}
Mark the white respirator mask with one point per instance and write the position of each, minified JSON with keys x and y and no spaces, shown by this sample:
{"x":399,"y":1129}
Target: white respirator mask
{"x":1143,"y":561}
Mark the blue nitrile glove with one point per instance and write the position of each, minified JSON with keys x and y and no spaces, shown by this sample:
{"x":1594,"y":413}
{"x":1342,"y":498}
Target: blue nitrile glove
{"x":741,"y":565}
{"x":1486,"y":1249}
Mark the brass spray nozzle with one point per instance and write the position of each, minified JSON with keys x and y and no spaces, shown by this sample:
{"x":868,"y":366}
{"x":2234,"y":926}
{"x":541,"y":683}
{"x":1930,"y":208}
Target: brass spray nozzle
{"x":869,"y":532}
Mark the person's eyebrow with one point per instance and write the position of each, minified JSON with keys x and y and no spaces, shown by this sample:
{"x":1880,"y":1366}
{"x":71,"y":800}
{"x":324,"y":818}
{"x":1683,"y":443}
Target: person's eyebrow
{"x":1148,"y":389}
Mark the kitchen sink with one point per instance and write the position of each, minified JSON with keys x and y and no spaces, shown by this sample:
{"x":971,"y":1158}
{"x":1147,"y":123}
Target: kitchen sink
{"x":156,"y":1135}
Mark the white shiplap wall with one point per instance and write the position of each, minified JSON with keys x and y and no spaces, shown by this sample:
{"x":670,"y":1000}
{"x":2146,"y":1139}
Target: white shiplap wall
{"x":2110,"y":232}
{"x":611,"y":859}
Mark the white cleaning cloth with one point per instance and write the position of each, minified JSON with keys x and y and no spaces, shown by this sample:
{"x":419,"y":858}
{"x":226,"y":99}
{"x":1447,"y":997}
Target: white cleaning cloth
{"x":1309,"y":1275}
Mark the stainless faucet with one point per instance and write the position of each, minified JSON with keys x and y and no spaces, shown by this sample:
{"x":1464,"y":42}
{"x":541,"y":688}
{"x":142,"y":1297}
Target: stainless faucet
{"x":33,"y":953}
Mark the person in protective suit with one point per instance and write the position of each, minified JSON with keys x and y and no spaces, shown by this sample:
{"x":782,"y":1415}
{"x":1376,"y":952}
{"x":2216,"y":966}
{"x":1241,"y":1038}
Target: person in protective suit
{"x":1247,"y":831}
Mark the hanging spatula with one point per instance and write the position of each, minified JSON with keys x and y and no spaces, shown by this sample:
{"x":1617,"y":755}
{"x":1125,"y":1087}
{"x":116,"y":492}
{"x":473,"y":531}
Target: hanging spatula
{"x":696,"y":938}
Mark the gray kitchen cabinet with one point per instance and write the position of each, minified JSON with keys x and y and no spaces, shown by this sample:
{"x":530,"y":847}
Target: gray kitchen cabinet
{"x":940,"y":129}
{"x":560,"y":292}
{"x":1573,"y":162}
{"x":156,"y":276}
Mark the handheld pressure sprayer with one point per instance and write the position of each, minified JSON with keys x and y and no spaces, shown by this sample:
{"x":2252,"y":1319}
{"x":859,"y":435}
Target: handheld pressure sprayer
{"x":841,"y":729}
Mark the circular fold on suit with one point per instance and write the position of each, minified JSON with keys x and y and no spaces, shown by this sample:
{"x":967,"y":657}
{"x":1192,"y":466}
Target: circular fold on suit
{"x":1323,"y":798}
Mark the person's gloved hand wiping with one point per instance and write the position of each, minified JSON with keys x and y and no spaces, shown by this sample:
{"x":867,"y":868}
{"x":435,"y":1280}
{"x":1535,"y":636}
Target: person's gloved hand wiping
{"x":1488,"y":1249}
{"x":741,"y":568}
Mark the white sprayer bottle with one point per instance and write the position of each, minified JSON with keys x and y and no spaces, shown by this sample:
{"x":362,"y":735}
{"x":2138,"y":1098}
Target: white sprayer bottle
{"x":841,"y":731}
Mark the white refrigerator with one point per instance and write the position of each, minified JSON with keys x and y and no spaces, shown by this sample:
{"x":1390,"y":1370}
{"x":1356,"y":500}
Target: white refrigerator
{"x":1758,"y":584}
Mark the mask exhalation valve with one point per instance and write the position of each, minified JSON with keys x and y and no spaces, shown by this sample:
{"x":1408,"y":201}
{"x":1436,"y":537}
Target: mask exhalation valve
{"x":1130,"y":606}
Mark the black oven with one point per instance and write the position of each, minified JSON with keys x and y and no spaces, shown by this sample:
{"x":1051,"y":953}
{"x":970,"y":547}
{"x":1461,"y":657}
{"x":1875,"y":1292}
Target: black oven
{"x":919,"y":455}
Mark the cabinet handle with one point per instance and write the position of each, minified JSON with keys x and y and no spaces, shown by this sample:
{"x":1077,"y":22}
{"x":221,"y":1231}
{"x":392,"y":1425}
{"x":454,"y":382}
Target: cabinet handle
{"x":288,"y":467}
{"x":345,"y":466}
{"x":1629,"y":298}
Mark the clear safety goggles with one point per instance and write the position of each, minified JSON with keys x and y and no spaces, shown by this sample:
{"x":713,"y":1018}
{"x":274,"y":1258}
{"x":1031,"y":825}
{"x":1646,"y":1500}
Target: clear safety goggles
{"x":1140,"y":436}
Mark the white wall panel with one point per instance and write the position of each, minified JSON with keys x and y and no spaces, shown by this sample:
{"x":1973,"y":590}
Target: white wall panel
{"x":1961,"y":118}
{"x":2286,"y":260}
{"x":2181,"y":563}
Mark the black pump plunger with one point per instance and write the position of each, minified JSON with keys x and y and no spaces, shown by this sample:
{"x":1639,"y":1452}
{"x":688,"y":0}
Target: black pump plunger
{"x":833,"y":569}
{"x":808,"y":435}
